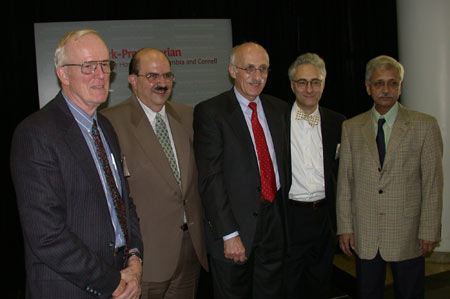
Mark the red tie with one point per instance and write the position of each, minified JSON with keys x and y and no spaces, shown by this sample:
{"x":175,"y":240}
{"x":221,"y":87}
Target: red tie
{"x":268,"y":184}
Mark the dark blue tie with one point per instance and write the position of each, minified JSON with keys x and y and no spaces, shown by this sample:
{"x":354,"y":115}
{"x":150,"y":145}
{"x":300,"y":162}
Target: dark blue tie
{"x":380,"y":141}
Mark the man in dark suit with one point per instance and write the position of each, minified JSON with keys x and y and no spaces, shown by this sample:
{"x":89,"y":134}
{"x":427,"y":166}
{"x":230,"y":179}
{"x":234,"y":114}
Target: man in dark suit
{"x":80,"y":227}
{"x":163,"y":177}
{"x":315,"y":134}
{"x":240,"y":142}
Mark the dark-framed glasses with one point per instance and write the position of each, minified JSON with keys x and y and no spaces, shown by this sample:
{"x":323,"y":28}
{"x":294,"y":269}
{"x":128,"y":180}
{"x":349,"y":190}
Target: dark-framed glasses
{"x":303,"y":83}
{"x":89,"y":67}
{"x":394,"y":84}
{"x":152,"y":77}
{"x":251,"y":69}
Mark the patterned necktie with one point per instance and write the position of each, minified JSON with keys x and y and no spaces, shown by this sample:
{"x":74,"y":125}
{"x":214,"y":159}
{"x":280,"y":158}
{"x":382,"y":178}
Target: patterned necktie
{"x":380,"y":141}
{"x":268,"y":184}
{"x":164,"y":140}
{"x":312,"y":119}
{"x":117,"y":199}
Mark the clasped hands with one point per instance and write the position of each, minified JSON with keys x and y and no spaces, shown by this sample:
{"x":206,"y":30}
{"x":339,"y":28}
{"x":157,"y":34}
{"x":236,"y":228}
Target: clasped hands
{"x":130,"y":282}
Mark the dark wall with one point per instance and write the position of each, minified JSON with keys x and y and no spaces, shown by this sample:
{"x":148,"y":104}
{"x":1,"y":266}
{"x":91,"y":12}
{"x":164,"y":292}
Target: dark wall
{"x":345,"y":33}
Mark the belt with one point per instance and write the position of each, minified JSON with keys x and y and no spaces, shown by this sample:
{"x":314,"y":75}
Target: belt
{"x":184,"y":227}
{"x":307,"y":204}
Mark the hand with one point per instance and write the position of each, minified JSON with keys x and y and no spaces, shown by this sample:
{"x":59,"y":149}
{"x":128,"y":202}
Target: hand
{"x":347,"y":243}
{"x":130,"y":283}
{"x":427,"y":247}
{"x":234,"y":249}
{"x":120,"y":289}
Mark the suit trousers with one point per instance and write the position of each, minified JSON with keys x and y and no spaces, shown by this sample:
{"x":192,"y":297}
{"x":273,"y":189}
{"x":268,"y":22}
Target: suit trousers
{"x":309,"y":262}
{"x":184,"y":283}
{"x":261,"y":275}
{"x":409,"y":278}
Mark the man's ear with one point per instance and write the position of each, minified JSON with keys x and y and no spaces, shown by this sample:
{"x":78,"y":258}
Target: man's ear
{"x":368,"y":89}
{"x":62,"y":75}
{"x":232,"y":70}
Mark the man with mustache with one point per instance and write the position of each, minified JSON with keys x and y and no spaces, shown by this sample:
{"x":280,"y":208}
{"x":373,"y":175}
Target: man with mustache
{"x":389,"y":198}
{"x":156,"y":137}
{"x":241,"y":148}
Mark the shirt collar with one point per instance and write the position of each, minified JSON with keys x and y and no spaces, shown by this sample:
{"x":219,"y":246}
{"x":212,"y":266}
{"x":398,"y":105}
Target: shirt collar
{"x":150,"y":113}
{"x":390,"y":116}
{"x":297,"y":108}
{"x":244,"y":102}
{"x":82,"y":118}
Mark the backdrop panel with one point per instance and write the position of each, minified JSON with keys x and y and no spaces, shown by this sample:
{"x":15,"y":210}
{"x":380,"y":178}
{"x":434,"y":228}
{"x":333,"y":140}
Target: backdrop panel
{"x":198,"y":51}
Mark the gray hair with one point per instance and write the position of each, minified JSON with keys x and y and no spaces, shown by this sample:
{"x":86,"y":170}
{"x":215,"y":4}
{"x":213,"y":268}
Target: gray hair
{"x":308,"y":58}
{"x":60,"y":52}
{"x":383,"y":62}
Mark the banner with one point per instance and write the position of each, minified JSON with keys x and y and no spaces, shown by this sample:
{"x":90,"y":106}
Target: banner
{"x":197,"y":49}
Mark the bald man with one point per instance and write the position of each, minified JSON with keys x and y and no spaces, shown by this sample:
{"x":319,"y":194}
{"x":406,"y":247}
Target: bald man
{"x":241,"y":146}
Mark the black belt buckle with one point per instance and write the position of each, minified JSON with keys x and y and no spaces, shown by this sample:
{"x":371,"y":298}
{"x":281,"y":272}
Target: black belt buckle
{"x":316,"y":204}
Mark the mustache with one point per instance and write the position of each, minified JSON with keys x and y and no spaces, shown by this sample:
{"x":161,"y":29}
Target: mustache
{"x":386,"y":95}
{"x":161,"y":88}
{"x":255,"y":81}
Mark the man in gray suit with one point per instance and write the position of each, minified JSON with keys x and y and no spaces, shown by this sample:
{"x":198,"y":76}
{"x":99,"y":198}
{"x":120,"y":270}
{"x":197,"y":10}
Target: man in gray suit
{"x":81,"y":231}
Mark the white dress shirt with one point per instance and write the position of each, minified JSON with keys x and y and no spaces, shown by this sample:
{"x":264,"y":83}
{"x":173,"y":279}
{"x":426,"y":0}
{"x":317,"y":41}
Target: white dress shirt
{"x":308,"y":180}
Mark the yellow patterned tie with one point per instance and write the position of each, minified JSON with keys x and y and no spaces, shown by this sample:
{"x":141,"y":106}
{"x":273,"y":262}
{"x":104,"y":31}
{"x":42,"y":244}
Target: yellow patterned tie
{"x":312,"y":119}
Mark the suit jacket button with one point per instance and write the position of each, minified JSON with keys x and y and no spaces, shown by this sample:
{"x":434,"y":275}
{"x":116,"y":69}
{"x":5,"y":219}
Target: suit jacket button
{"x":380,"y":191}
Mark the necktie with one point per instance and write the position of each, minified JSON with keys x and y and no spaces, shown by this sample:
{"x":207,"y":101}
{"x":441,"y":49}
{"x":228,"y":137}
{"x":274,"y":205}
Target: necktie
{"x":117,"y":199}
{"x":164,"y":140}
{"x":312,"y":119}
{"x":266,"y":172}
{"x":380,"y":141}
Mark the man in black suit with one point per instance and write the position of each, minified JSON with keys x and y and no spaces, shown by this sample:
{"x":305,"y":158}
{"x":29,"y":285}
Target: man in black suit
{"x":315,"y":134}
{"x":240,"y":142}
{"x":80,"y":228}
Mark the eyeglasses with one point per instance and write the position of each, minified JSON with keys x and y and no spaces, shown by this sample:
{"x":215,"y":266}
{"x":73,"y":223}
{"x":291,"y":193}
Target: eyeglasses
{"x":152,"y":77}
{"x":394,"y":84}
{"x":89,"y":67}
{"x":251,"y":69}
{"x":302,"y":83}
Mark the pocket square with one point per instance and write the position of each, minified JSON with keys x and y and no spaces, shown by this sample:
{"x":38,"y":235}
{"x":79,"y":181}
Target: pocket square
{"x":126,"y":172}
{"x":338,"y":148}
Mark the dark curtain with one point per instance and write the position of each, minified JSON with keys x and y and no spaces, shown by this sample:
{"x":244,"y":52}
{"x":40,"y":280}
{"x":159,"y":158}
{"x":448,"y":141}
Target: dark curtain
{"x":345,"y":33}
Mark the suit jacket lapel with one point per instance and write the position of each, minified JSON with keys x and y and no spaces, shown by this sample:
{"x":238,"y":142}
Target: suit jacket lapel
{"x":368,"y":133}
{"x":398,"y":132}
{"x":77,"y":144}
{"x":239,"y":125}
{"x":326,"y":144}
{"x":146,"y":138}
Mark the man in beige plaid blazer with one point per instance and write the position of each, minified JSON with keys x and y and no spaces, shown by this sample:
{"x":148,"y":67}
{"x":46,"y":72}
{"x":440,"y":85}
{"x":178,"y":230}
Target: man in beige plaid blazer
{"x":389,"y":197}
